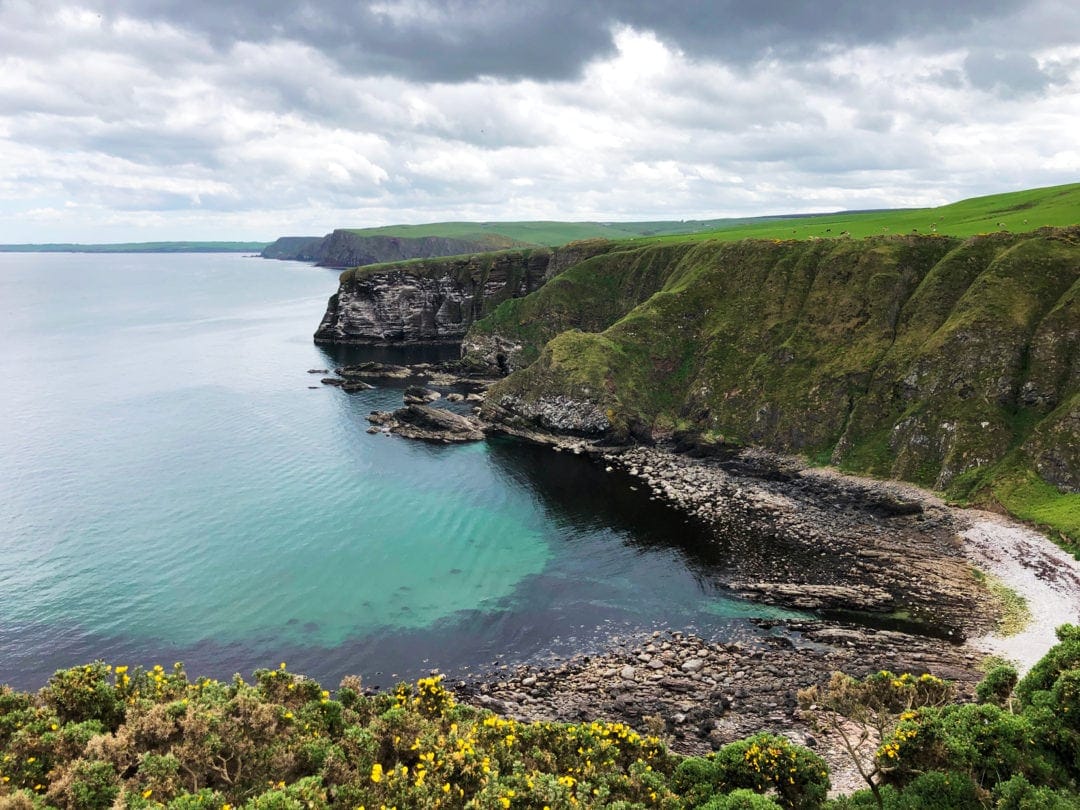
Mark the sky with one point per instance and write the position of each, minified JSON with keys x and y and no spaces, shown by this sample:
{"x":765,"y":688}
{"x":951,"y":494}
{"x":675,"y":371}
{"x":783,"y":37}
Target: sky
{"x":137,"y":120}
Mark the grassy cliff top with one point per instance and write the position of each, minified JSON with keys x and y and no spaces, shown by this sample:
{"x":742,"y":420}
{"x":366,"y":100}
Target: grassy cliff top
{"x":1014,"y":211}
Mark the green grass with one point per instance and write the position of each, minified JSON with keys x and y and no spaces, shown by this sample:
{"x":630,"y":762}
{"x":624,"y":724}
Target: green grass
{"x":1017,"y":211}
{"x":138,"y":247}
{"x":532,"y":233}
{"x":1030,"y":498}
{"x":1013,"y":211}
{"x":1015,"y":613}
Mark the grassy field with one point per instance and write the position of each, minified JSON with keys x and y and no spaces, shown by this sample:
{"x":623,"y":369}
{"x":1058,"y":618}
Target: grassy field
{"x":139,"y":247}
{"x":1014,"y":211}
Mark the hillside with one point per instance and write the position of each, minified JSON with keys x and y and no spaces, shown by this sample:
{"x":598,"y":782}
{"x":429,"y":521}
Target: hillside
{"x":1017,"y":211}
{"x":950,"y":363}
{"x":1014,"y":211}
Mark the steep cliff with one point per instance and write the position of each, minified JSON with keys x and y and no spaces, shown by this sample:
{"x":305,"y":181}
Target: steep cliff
{"x":345,"y":248}
{"x":436,"y":300}
{"x":294,"y":248}
{"x":951,"y":363}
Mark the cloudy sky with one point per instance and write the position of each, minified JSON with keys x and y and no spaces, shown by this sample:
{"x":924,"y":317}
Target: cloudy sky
{"x":203,"y":119}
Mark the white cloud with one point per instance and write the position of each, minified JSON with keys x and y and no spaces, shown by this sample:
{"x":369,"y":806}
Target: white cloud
{"x":117,"y":127}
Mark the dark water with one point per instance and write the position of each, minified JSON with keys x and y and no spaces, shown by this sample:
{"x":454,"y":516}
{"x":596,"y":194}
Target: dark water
{"x":172,"y":488}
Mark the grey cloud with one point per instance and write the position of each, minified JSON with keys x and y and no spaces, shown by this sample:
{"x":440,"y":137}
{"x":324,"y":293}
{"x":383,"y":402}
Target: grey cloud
{"x":1009,"y":75}
{"x":454,"y":40}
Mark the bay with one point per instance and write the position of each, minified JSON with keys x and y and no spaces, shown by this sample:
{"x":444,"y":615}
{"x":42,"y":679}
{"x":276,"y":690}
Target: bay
{"x":176,"y":486}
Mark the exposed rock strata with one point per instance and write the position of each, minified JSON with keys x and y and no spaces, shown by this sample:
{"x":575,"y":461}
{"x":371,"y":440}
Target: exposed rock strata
{"x":428,"y":424}
{"x":437,"y":301}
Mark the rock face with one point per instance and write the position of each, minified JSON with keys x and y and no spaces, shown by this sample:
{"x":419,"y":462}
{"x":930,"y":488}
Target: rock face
{"x":436,"y":301}
{"x":345,"y":248}
{"x":936,"y":360}
{"x":294,"y":248}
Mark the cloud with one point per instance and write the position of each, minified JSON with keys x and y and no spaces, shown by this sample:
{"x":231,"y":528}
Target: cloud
{"x":1009,"y":75}
{"x":248,"y":120}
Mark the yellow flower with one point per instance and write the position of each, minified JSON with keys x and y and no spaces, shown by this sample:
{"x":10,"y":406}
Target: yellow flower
{"x":376,"y":772}
{"x":146,"y":793}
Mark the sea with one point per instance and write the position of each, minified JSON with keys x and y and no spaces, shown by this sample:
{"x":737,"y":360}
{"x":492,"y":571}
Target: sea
{"x":177,"y":486}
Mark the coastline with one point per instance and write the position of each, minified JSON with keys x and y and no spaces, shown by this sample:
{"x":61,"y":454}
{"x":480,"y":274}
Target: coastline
{"x":884,"y":548}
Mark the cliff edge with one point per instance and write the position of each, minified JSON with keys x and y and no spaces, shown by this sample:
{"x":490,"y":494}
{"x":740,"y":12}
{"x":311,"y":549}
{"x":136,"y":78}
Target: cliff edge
{"x":951,"y":363}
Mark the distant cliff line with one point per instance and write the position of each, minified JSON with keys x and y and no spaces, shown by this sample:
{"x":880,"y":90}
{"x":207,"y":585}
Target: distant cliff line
{"x":953,"y":363}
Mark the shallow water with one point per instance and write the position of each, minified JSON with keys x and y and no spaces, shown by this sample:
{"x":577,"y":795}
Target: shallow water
{"x":174,"y":489}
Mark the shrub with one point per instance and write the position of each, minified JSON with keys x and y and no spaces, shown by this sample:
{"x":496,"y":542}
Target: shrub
{"x":981,"y":740}
{"x":939,"y":791}
{"x":997,"y":687}
{"x":84,"y":693}
{"x":766,"y":762}
{"x":741,"y":799}
{"x":1018,"y":793}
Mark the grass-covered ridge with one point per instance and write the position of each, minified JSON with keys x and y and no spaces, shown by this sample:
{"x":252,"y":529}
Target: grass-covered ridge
{"x":98,"y":737}
{"x":1015,"y":211}
{"x":951,"y":363}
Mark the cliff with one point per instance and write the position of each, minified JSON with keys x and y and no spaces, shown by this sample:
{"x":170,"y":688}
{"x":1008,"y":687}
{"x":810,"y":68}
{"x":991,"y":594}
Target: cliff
{"x":345,"y":248}
{"x":435,"y":301}
{"x":951,"y":363}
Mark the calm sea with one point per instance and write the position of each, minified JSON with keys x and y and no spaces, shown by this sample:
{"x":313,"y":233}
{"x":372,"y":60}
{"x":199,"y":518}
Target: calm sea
{"x":172,"y":487}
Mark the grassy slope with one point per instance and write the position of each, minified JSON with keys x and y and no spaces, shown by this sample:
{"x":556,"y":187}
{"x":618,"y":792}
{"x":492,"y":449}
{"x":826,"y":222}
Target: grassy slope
{"x":536,"y":233}
{"x":899,"y":356}
{"x":1018,"y":211}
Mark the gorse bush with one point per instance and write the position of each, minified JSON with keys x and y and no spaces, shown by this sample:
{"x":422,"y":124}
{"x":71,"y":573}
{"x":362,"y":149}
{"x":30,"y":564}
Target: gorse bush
{"x":97,"y":737}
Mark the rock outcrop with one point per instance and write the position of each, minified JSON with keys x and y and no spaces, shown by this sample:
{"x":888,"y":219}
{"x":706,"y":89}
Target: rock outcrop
{"x":436,"y":301}
{"x":428,"y":424}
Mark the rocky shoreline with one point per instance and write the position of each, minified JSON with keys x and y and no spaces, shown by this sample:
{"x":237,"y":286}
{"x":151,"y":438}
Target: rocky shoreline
{"x":884,"y":565}
{"x":698,"y":694}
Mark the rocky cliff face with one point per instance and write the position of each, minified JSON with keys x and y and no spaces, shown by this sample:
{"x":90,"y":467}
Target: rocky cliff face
{"x":345,"y":248}
{"x":294,"y":248}
{"x":436,"y":301}
{"x":931,"y":359}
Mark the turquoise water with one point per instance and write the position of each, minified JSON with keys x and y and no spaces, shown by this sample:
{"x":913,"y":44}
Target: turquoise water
{"x":174,"y":488}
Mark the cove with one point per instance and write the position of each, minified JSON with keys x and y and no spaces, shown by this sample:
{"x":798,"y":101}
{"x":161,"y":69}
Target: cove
{"x":177,"y":486}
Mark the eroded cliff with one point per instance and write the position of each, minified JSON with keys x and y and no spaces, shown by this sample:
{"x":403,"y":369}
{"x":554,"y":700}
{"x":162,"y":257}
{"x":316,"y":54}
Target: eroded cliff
{"x":346,"y":248}
{"x":435,"y":301}
{"x":951,"y":363}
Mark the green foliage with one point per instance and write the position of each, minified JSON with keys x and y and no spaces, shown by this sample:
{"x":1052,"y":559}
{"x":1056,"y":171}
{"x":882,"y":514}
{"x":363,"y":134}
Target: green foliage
{"x":741,"y":799}
{"x":997,"y":687}
{"x":84,"y":693}
{"x":937,"y":790}
{"x":284,"y":742}
{"x":94,"y":785}
{"x":1017,"y":793}
{"x":764,"y":763}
